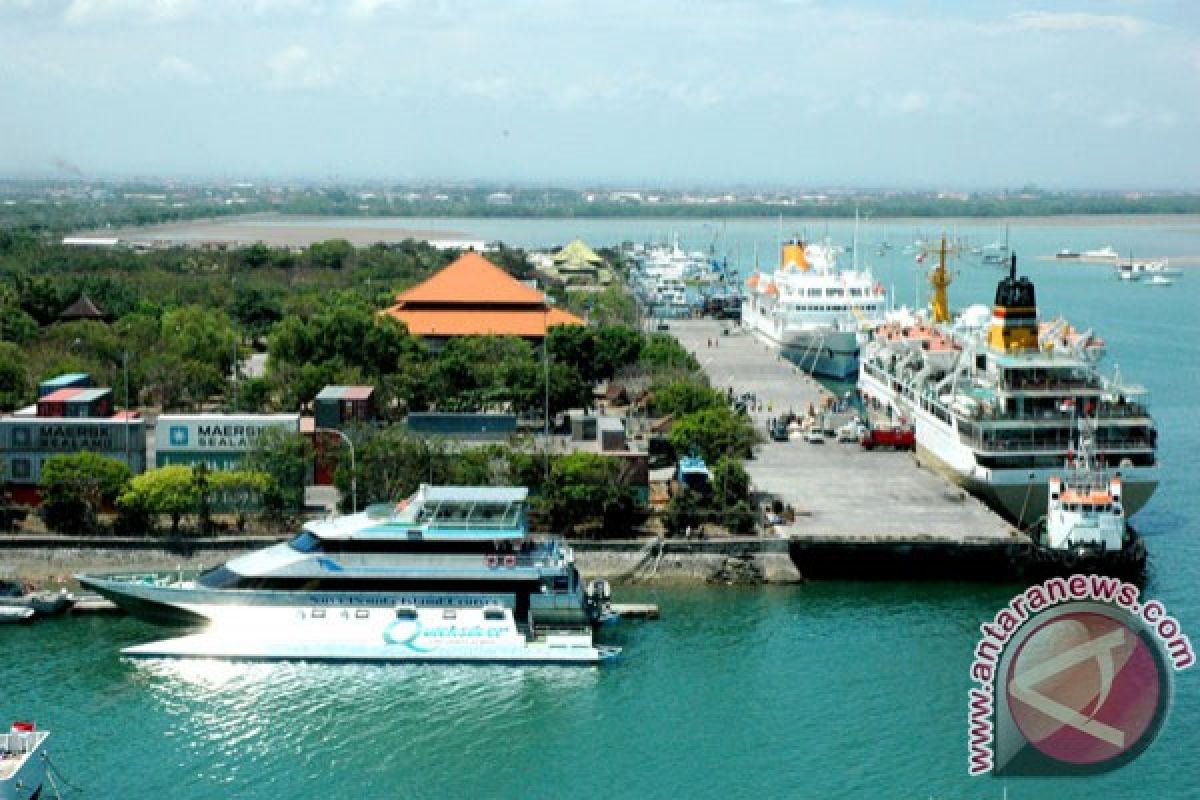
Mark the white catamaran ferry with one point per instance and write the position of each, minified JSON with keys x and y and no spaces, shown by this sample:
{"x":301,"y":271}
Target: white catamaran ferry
{"x":997,"y":399}
{"x":448,"y":574}
{"x":817,"y":315}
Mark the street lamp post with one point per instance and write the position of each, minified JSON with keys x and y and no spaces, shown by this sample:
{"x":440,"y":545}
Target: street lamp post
{"x":353,"y":468}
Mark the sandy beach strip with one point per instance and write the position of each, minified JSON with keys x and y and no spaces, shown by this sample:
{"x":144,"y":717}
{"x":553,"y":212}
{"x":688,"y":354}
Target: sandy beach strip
{"x":278,"y":230}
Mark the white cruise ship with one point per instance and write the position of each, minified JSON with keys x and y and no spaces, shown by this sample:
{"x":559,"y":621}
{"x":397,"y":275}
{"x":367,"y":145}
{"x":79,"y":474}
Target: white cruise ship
{"x":997,"y":399}
{"x":448,"y":574}
{"x":813,"y":312}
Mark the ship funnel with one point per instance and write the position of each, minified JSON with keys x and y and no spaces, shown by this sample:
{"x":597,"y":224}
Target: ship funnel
{"x":1014,"y":316}
{"x":793,"y":255}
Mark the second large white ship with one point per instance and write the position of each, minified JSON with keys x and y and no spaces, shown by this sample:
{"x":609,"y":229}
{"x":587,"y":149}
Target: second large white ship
{"x":997,"y":399}
{"x":817,"y":315}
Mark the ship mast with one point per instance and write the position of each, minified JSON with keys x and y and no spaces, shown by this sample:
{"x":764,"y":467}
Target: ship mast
{"x":939,"y":278}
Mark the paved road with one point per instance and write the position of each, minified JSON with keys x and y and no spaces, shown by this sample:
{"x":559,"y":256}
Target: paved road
{"x":838,"y":490}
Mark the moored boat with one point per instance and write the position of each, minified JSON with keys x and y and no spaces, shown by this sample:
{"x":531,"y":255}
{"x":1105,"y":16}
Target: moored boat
{"x":14,"y":594}
{"x":23,"y":762}
{"x":447,"y":574}
{"x":996,"y":398}
{"x":1085,"y":528}
{"x":814,"y":313}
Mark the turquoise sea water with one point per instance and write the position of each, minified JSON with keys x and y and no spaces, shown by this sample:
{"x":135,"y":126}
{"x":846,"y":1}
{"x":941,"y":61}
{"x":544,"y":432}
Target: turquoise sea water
{"x":825,"y":690}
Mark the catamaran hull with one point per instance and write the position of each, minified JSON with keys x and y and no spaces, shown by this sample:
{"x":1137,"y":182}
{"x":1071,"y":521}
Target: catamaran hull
{"x":340,"y":626}
{"x":217,"y":646}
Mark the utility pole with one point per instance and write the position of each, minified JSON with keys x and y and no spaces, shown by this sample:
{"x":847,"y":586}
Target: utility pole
{"x":125,"y":367}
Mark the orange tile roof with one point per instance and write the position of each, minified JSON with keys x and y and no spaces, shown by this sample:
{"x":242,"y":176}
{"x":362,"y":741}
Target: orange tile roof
{"x":470,"y":280}
{"x":472,"y":322}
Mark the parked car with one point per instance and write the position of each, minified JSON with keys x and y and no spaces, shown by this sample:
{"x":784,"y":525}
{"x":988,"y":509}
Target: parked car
{"x":851,"y":432}
{"x":895,"y":438}
{"x":814,"y":436}
{"x":778,"y":432}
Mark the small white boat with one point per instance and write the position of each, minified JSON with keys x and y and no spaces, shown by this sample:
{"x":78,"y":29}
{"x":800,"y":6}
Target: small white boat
{"x":1159,"y":280}
{"x":23,"y":761}
{"x":13,"y":594}
{"x":15,"y":614}
{"x":1103,"y":254}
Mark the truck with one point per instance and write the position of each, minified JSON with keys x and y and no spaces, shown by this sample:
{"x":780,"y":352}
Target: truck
{"x":897,"y":438}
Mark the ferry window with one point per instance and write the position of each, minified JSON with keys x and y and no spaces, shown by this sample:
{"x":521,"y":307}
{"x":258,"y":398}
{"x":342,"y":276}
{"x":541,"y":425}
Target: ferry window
{"x":406,"y":613}
{"x":493,"y":614}
{"x":362,"y":613}
{"x":305,"y":543}
{"x":856,"y":292}
{"x":814,"y":292}
{"x":449,"y":613}
{"x":318,"y":613}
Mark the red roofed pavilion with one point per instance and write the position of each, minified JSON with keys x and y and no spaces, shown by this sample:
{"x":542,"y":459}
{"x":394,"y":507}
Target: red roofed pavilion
{"x":474,"y":297}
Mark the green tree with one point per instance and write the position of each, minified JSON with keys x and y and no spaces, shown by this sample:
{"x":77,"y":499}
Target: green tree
{"x":575,"y":346}
{"x":663,"y":351}
{"x":683,"y":397}
{"x":586,"y":487}
{"x":170,"y":490}
{"x":15,"y":390}
{"x":75,"y":488}
{"x":714,"y":432}
{"x":614,"y":306}
{"x":731,"y":495}
{"x":617,"y":346}
{"x":16,"y":326}
{"x":285,"y":457}
{"x":330,"y":254}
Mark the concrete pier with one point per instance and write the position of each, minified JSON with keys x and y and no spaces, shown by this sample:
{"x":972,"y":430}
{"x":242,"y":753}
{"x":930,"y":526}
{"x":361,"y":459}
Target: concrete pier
{"x":844,"y":496}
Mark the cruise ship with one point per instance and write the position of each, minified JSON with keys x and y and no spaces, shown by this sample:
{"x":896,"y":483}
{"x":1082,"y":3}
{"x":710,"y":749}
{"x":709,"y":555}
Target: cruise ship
{"x":448,"y":574}
{"x":817,"y":315}
{"x":998,"y":399}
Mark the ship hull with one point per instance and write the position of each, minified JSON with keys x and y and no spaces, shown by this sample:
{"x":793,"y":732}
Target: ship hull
{"x":1020,"y":496}
{"x":823,"y":352}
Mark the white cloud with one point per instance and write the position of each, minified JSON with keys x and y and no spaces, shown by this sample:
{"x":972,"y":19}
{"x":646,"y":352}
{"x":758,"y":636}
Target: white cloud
{"x":84,"y":11}
{"x":183,"y":70}
{"x":364,"y":9}
{"x":910,"y":102}
{"x":294,"y":68}
{"x":1077,"y":21}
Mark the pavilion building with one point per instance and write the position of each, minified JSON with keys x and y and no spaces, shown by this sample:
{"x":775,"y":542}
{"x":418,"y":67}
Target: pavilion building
{"x":474,"y":297}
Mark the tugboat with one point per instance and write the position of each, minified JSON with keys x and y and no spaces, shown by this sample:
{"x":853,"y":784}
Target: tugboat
{"x":23,"y":762}
{"x":1085,"y":529}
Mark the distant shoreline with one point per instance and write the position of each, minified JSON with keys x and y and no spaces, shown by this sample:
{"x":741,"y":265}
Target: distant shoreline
{"x":297,"y":230}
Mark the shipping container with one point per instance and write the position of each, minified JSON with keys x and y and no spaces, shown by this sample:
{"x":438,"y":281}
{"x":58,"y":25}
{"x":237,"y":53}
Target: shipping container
{"x":70,"y":380}
{"x":90,"y":403}
{"x":337,"y":406}
{"x":219,"y":440}
{"x":462,"y":425}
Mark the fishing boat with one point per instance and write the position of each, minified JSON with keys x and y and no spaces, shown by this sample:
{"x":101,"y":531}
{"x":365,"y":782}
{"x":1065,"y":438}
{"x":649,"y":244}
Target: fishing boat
{"x":23,"y":762}
{"x":995,"y":396}
{"x":447,"y":574}
{"x":1085,"y":526}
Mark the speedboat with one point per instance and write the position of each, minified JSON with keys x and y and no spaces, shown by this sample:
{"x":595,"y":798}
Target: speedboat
{"x":14,"y":594}
{"x":23,"y":761}
{"x":1107,"y":253}
{"x":1159,"y":280}
{"x":447,"y":574}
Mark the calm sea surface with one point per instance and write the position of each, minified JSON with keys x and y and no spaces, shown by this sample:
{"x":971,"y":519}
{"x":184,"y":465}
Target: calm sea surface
{"x":825,"y":690}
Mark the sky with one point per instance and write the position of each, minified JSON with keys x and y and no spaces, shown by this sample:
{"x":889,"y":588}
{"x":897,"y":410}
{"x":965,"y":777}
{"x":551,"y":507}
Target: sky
{"x":1091,"y":94}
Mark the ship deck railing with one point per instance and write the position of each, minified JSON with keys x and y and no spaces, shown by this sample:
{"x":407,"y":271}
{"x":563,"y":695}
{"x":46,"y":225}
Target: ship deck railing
{"x":1048,"y":446}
